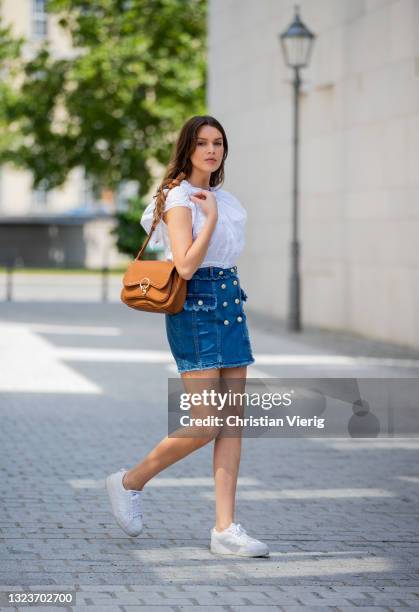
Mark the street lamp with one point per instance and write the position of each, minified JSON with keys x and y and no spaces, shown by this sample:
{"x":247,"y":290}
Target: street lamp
{"x":296,"y":43}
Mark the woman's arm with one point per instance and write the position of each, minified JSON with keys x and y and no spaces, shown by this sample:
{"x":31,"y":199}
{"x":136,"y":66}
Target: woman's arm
{"x":188,"y":254}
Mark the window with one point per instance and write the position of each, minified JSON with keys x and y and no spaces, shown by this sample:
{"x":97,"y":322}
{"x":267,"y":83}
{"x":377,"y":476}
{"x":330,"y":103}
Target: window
{"x":39,"y":19}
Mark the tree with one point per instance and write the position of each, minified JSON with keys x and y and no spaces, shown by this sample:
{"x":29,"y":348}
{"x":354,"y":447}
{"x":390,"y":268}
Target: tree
{"x":130,"y":235}
{"x":10,"y":66}
{"x":115,"y":105}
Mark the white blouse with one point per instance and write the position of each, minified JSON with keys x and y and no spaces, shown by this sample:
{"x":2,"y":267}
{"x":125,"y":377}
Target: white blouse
{"x":228,"y":239}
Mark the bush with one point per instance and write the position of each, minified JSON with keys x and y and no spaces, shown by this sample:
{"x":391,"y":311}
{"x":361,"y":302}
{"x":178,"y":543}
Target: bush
{"x":129,"y":232}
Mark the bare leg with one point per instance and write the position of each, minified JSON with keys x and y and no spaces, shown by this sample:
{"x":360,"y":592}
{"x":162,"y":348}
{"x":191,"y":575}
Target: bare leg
{"x":172,"y":449}
{"x":227,"y":452}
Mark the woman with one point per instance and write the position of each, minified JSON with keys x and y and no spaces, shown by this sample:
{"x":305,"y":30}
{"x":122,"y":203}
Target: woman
{"x":203,"y":233}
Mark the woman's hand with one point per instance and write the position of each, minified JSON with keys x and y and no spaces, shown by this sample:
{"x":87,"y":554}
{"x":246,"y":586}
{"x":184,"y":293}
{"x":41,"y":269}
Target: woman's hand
{"x":207,"y":201}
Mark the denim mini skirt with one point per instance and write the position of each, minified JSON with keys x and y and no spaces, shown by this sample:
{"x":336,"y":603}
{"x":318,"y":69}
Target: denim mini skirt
{"x":211,"y":330}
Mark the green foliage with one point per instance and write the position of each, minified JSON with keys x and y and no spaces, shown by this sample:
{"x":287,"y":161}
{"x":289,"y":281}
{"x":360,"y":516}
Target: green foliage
{"x":10,"y":50}
{"x":114,"y":105}
{"x":129,"y":232}
{"x":37,"y":145}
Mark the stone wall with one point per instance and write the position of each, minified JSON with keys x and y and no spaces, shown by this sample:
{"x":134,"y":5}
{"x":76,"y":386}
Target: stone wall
{"x":359,"y":203}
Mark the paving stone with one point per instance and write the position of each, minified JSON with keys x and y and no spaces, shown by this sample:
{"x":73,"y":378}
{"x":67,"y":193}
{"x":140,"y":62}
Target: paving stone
{"x":58,"y":446}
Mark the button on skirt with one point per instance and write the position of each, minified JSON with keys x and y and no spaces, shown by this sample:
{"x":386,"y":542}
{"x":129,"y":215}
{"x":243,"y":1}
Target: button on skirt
{"x":211,"y":331}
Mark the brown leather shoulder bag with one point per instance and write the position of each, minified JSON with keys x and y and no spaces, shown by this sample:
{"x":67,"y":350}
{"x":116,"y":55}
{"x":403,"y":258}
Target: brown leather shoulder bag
{"x":153,"y":285}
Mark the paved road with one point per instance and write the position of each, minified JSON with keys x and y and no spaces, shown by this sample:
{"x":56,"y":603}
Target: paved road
{"x":83,"y":391}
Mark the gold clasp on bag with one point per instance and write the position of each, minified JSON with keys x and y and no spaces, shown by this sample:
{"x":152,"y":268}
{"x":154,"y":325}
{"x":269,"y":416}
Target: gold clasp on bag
{"x":144,"y":287}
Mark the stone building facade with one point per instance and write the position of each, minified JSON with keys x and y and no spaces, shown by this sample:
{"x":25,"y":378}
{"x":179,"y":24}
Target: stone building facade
{"x":359,"y":202}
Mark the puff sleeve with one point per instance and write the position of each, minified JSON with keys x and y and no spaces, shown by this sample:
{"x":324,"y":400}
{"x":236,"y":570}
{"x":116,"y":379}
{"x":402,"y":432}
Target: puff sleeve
{"x":178,"y":196}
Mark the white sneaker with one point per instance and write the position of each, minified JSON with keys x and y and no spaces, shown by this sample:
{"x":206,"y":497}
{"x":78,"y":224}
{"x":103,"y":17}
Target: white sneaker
{"x":126,"y":504}
{"x":235,"y":541}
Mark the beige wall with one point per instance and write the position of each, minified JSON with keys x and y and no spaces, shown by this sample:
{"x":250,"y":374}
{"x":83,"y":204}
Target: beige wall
{"x":18,"y":14}
{"x":359,"y":217}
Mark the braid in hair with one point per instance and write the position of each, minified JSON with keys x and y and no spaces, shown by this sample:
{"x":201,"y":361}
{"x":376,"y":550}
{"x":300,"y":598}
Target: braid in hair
{"x":160,"y":201}
{"x":161,"y":196}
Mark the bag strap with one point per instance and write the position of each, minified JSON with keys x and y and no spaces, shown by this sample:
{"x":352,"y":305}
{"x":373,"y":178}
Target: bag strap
{"x":173,"y":183}
{"x":146,"y":241}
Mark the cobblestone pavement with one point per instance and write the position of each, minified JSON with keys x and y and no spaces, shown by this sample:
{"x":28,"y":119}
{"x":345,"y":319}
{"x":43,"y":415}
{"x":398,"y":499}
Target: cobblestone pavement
{"x":83,"y":392}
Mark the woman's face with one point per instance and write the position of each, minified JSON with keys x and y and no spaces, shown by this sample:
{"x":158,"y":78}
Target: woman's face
{"x":209,"y":150}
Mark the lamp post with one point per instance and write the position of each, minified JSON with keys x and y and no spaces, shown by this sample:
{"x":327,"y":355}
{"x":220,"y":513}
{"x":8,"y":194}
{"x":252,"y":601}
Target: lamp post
{"x":296,"y":43}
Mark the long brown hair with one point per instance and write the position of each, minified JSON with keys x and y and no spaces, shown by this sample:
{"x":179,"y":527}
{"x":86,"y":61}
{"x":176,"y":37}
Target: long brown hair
{"x":180,"y":165}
